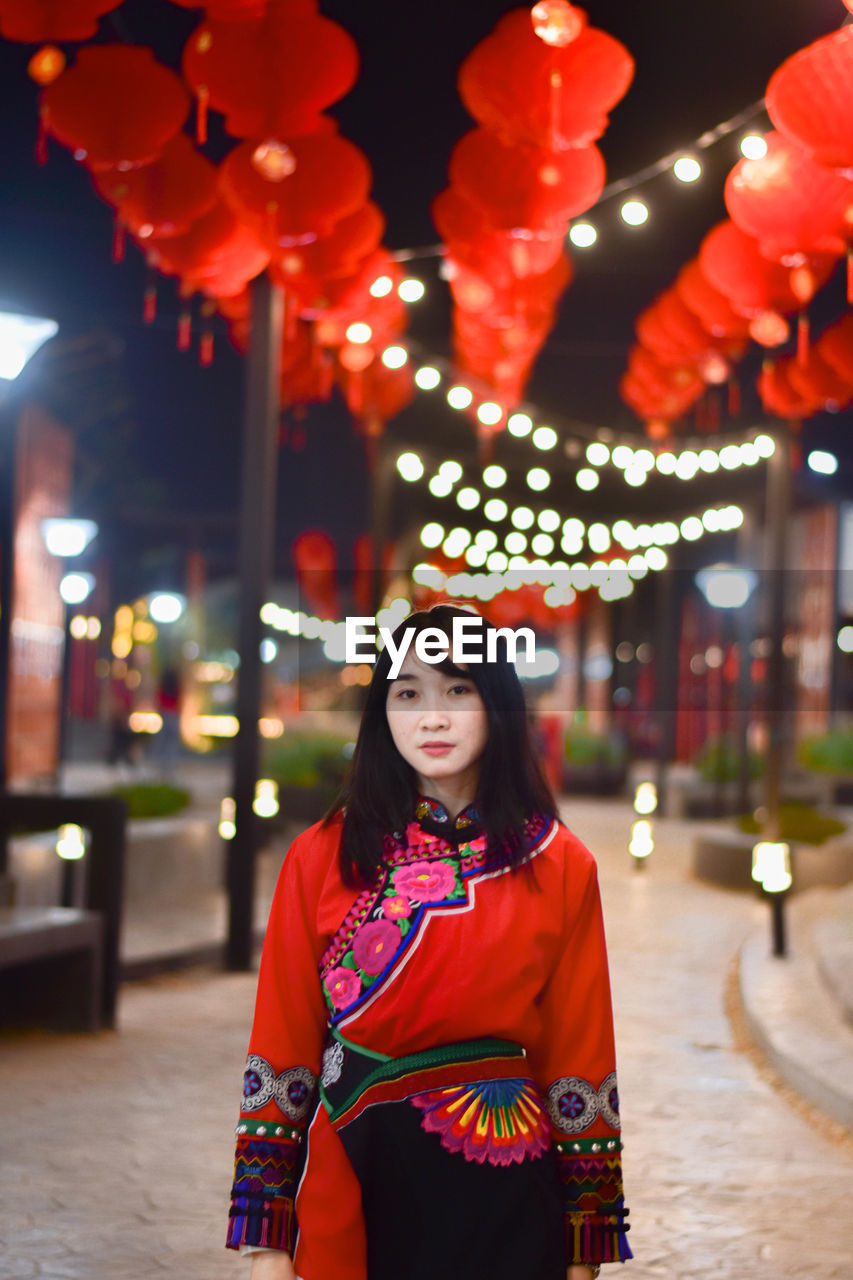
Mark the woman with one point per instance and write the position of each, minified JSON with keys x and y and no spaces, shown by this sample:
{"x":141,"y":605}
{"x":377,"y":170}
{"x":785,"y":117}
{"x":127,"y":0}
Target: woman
{"x":435,"y":955}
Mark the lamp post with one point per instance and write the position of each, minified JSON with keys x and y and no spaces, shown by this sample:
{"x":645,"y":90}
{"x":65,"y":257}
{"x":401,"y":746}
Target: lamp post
{"x":21,"y":336}
{"x":729,"y":587}
{"x":67,"y":537}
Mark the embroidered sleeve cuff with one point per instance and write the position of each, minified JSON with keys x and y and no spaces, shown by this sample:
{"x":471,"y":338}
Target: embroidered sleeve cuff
{"x":267,"y":1168}
{"x":591,"y":1176}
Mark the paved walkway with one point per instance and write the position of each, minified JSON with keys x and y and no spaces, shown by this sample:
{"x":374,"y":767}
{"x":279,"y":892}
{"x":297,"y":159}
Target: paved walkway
{"x":117,"y":1148}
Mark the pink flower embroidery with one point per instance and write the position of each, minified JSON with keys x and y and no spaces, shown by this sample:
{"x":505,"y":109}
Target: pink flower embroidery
{"x":425,"y":881}
{"x":343,"y":986}
{"x":374,"y":945}
{"x":397,"y":908}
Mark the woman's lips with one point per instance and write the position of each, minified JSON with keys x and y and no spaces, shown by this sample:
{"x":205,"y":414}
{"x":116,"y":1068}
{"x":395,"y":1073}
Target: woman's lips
{"x":437,"y":748}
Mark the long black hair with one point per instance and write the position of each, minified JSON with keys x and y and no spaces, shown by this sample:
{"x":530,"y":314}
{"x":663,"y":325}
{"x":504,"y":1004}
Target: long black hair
{"x":378,"y":795}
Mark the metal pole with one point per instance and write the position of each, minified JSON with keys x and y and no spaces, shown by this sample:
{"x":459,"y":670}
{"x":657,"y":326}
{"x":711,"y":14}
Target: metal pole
{"x":666,"y":681}
{"x":776,"y":525}
{"x":777,"y":915}
{"x":381,"y":469}
{"x":8,"y":428}
{"x":257,"y":532}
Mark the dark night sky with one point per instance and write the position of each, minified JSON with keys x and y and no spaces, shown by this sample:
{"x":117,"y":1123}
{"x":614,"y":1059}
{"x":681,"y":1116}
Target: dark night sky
{"x":697,"y":64}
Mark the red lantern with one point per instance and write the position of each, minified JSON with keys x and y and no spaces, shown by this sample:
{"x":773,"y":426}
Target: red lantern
{"x":659,"y":379}
{"x":779,"y":397}
{"x":302,"y":269}
{"x":835,"y":346}
{"x":521,"y":186}
{"x":499,"y":256}
{"x":273,"y":76}
{"x":810,"y":99}
{"x":818,"y":383}
{"x":532,"y":92}
{"x":163,"y":199}
{"x":794,"y":207}
{"x":712,"y":307}
{"x":316,"y":569}
{"x":35,"y":21}
{"x":218,"y":255}
{"x":330,"y":180}
{"x":730,"y":260}
{"x":306,"y":370}
{"x":378,"y":392}
{"x":116,"y":108}
{"x":350,"y":301}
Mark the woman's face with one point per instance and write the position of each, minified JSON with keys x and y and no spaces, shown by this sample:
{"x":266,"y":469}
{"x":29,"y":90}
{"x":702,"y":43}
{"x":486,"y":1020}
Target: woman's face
{"x":440,"y":727}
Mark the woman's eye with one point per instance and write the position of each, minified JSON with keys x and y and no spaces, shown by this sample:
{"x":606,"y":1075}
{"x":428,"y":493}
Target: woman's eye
{"x":460,"y":688}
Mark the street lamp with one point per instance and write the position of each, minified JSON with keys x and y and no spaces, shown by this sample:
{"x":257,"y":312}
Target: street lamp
{"x":66,"y":536}
{"x":21,"y":336}
{"x":729,"y":587}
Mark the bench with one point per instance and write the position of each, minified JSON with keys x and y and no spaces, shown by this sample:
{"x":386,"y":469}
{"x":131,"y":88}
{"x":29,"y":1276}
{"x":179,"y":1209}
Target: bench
{"x":52,"y":961}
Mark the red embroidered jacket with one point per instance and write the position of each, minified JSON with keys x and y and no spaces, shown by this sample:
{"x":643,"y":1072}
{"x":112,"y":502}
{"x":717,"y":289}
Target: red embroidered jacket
{"x":440,"y":950}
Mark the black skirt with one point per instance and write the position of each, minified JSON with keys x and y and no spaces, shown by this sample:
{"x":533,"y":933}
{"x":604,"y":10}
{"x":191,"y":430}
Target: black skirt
{"x":452,"y":1153}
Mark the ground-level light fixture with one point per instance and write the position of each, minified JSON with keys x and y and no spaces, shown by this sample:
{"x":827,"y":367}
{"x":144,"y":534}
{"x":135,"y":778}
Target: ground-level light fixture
{"x":771,"y":868}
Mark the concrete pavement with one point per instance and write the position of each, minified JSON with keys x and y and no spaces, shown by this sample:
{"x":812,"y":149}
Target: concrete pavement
{"x":117,"y":1148}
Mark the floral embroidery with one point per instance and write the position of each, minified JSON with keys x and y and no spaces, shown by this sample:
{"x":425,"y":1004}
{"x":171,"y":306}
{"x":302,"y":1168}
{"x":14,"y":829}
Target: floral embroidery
{"x":502,"y":1121}
{"x":374,"y":945}
{"x":396,"y":908}
{"x":343,"y":986}
{"x":420,"y":871}
{"x":426,"y":881}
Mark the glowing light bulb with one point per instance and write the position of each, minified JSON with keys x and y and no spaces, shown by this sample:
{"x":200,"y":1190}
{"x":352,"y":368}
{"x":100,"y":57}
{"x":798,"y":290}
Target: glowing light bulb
{"x":556,"y":22}
{"x":381,"y":286}
{"x":440,"y":486}
{"x":395,"y":357}
{"x":273,"y":160}
{"x":825,"y":464}
{"x":432,"y":534}
{"x":459,"y":397}
{"x":359,"y":332}
{"x":411,"y":290}
{"x":587,"y":479}
{"x":634,"y":212}
{"x":538,"y":478}
{"x":494,"y":476}
{"x":753,"y":146}
{"x":427,"y":378}
{"x":687,"y":169}
{"x":450,"y":471}
{"x":544,"y":438}
{"x":548,"y":520}
{"x":410,"y":466}
{"x":583,"y":235}
{"x":522,"y":517}
{"x":519,"y":425}
{"x":495,"y":509}
{"x":468,"y":498}
{"x":489,"y":413}
{"x":597,"y":454}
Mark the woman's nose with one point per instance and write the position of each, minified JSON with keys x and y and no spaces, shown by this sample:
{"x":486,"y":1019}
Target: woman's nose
{"x":433,"y":715}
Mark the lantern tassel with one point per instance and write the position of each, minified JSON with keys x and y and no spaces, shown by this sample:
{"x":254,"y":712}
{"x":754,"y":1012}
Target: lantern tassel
{"x":185,"y":330}
{"x":202,"y":101}
{"x":205,"y":349}
{"x":734,"y":397}
{"x":556,"y":85}
{"x":118,"y":240}
{"x":802,"y":339}
{"x":41,"y":140}
{"x":149,"y":304}
{"x":850,"y":276}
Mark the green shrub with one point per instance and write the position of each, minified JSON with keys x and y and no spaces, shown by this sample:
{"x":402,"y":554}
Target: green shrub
{"x":828,"y":752}
{"x":719,"y":761}
{"x":584,"y":747}
{"x":306,"y":758}
{"x":152,"y":799}
{"x":798,"y":823}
